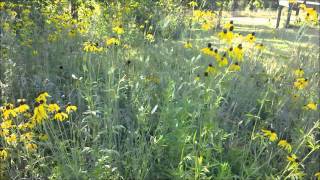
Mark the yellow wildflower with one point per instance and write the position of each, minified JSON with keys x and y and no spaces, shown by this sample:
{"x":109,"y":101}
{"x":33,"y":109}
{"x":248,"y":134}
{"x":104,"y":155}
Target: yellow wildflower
{"x":299,"y":72}
{"x":39,"y":113}
{"x":301,"y":83}
{"x":292,"y":158}
{"x":271,"y":134}
{"x":26,"y":137}
{"x":12,"y":139}
{"x":206,"y":26}
{"x":224,"y":61}
{"x":31,"y":147}
{"x":211,"y":69}
{"x":22,"y":108}
{"x":4,"y":132}
{"x":228,"y":25}
{"x":231,"y":53}
{"x":317,"y":175}
{"x":8,"y":111}
{"x":92,"y":47}
{"x":311,"y":106}
{"x":42,"y":97}
{"x":207,"y":51}
{"x":234,"y":67}
{"x":238,"y":52}
{"x":7,"y":124}
{"x":71,"y":108}
{"x":3,"y":154}
{"x":226,"y":35}
{"x":61,"y":116}
{"x":260,"y":46}
{"x":118,"y":30}
{"x":251,"y":38}
{"x":197,"y":78}
{"x":53,"y":107}
{"x":187,"y":45}
{"x":285,"y":145}
{"x":112,"y":41}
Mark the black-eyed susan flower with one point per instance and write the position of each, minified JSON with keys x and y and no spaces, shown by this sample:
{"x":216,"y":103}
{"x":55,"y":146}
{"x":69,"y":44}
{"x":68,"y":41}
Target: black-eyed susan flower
{"x":260,"y":46}
{"x":284,"y":144}
{"x":71,"y":108}
{"x":31,"y":147}
{"x":251,"y":38}
{"x":234,"y":67}
{"x":22,"y":108}
{"x":3,"y":154}
{"x":231,"y":53}
{"x":211,"y":69}
{"x":226,"y":35}
{"x":42,"y":96}
{"x":216,"y":55}
{"x":7,"y":124}
{"x":206,"y":26}
{"x":301,"y":83}
{"x":208,"y":51}
{"x":112,"y":41}
{"x":270,"y":134}
{"x":8,"y":112}
{"x":187,"y":45}
{"x":53,"y":107}
{"x":4,"y":132}
{"x":118,"y":30}
{"x":60,"y":116}
{"x":293,"y":158}
{"x":317,"y":175}
{"x":11,"y":139}
{"x":197,"y":78}
{"x":299,"y":72}
{"x":223,"y":61}
{"x":311,"y":15}
{"x":311,"y":106}
{"x":39,"y":113}
{"x":91,"y":47}
{"x":238,"y":52}
{"x":228,"y":25}
{"x":26,"y":137}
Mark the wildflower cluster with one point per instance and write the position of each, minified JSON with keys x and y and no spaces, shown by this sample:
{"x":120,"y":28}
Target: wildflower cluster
{"x":301,"y":83}
{"x":21,"y":126}
{"x":294,"y":164}
{"x":309,"y":15}
{"x":206,"y":19}
{"x":230,"y":57}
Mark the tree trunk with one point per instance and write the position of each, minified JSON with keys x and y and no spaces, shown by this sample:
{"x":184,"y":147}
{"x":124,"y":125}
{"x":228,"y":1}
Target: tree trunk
{"x":74,"y":9}
{"x":234,"y":6}
{"x":220,"y":16}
